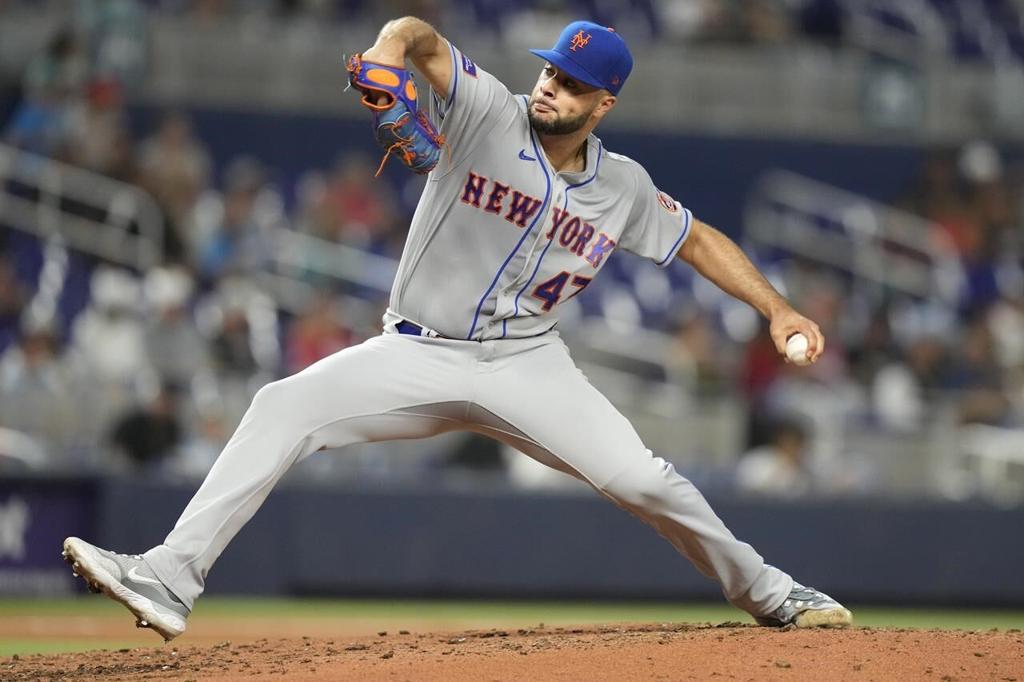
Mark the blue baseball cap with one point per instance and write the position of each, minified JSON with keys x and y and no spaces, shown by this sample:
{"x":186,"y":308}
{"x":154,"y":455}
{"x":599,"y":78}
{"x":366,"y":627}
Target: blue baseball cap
{"x":592,"y":54}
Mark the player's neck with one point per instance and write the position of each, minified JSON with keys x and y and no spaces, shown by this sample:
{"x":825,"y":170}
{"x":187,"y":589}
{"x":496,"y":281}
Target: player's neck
{"x":566,"y":153}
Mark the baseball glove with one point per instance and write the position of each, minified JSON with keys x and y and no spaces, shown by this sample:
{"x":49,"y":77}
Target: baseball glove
{"x":399,"y":127}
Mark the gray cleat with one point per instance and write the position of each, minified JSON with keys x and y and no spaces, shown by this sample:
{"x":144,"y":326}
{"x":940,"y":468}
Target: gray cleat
{"x":806,"y":607}
{"x":128,"y":579}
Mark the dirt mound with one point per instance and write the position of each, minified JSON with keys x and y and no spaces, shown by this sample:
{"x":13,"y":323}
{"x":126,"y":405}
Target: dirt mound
{"x":634,"y":652}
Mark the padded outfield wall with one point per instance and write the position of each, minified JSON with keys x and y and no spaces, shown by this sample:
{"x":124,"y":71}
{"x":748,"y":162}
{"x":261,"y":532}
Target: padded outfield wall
{"x":376,"y":540}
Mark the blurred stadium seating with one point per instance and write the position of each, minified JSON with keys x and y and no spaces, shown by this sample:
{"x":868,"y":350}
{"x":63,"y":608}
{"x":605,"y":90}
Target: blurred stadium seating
{"x":185,"y":215}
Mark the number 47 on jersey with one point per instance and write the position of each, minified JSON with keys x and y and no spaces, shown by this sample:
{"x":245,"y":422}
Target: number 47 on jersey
{"x":550,"y":291}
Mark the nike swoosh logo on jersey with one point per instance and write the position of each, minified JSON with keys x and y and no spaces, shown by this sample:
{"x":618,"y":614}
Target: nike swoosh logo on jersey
{"x":524,"y":157}
{"x":133,"y":574}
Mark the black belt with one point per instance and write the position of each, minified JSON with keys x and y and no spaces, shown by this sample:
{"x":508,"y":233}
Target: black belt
{"x":406,"y":327}
{"x":413,"y":329}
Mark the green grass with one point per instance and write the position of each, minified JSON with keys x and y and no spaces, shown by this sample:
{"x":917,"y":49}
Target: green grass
{"x":528,"y":612}
{"x":508,"y":611}
{"x":943,"y":619}
{"x":419,"y":614}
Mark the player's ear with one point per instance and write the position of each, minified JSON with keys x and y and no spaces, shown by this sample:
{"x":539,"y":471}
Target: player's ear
{"x":606,"y":103}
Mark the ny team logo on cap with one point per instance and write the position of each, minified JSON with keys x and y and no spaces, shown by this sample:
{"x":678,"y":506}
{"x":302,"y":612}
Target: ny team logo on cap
{"x":579,"y":40}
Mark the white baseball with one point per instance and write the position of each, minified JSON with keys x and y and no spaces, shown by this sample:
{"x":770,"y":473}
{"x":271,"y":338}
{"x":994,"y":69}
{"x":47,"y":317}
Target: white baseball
{"x":796,"y":349}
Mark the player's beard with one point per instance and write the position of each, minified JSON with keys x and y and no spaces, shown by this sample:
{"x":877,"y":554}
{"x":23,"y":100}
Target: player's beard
{"x":560,"y":125}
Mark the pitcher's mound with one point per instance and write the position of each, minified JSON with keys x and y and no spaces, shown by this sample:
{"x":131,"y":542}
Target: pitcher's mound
{"x":628,"y":652}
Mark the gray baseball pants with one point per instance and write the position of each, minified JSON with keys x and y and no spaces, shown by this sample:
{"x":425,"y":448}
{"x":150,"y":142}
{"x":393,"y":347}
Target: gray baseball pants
{"x":396,"y":386}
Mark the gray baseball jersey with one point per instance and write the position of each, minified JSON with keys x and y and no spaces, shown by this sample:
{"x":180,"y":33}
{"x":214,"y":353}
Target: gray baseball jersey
{"x":499,"y":239}
{"x":497,"y":242}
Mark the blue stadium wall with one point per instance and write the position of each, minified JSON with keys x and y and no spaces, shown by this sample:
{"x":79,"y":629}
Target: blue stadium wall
{"x":378,"y":540}
{"x":710,"y":175}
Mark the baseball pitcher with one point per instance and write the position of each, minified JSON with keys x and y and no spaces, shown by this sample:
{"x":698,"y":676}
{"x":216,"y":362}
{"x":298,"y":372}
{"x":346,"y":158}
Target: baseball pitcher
{"x":522,"y":208}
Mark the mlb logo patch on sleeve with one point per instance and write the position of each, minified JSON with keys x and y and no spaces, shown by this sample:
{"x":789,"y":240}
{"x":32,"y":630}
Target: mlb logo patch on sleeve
{"x":468,"y":66}
{"x":667,"y":202}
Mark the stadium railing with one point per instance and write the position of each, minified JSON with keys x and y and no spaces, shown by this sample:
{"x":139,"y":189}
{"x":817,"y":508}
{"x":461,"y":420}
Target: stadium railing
{"x":875,"y":243}
{"x":89,"y":212}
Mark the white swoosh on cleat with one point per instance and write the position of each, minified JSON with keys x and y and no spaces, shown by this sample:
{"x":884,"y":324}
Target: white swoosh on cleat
{"x":134,"y":575}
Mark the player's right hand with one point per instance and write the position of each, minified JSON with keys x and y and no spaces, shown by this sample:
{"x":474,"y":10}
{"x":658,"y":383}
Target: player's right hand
{"x":787,"y":322}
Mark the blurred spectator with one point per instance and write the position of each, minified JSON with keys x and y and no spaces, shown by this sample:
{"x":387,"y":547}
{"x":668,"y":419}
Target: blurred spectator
{"x":13,"y":298}
{"x":36,"y":391}
{"x":873,"y":349}
{"x":992,"y":219}
{"x":1006,"y":323}
{"x":915,"y":377}
{"x":95,"y":128}
{"x":689,"y":20}
{"x":978,"y":377}
{"x":242,"y":324}
{"x":317,"y":333}
{"x":905,"y":383}
{"x":107,"y":351}
{"x":759,"y":369}
{"x":696,"y":360}
{"x":239,"y":242}
{"x":778,"y":468}
{"x":174,"y":347}
{"x":823,"y":394}
{"x":175,"y":169}
{"x":967,"y":196}
{"x":898,"y":401}
{"x":148,"y":434}
{"x":354,"y":207}
{"x":750,"y":21}
{"x":52,"y":82}
{"x":242,"y":321}
{"x":203,"y":445}
{"x":121,"y":158}
{"x":232,"y":347}
{"x":109,"y":335}
{"x":60,"y":70}
{"x":936,"y":194}
{"x":928,"y":359}
{"x":239,"y":374}
{"x":118,"y":38}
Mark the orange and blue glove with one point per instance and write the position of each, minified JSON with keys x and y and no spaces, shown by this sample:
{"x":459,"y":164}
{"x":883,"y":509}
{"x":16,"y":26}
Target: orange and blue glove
{"x":399,"y":126}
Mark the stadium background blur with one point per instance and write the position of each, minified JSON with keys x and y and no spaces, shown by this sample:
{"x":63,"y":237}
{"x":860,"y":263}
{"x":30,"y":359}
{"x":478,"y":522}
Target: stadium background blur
{"x":188,"y":210}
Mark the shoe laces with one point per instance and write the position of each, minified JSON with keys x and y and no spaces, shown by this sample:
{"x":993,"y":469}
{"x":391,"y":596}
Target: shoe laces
{"x":137,"y":557}
{"x":801,"y":596}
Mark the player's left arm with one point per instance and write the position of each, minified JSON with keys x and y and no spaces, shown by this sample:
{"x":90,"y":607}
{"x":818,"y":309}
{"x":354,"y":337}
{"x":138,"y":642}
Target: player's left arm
{"x":720,"y":260}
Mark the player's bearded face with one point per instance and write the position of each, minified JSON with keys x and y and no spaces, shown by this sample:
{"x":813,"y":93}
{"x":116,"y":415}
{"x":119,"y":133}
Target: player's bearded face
{"x":548,"y":121}
{"x":560,"y":105}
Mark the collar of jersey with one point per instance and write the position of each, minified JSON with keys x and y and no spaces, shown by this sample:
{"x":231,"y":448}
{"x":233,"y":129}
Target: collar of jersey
{"x":593,"y":162}
{"x":573,"y":177}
